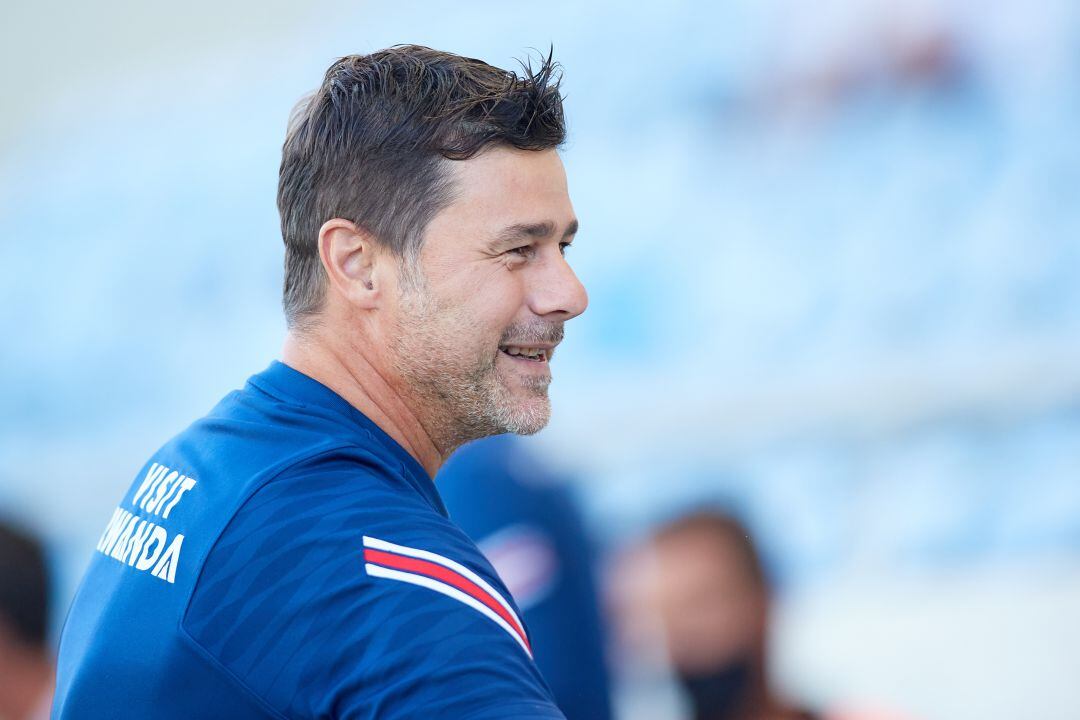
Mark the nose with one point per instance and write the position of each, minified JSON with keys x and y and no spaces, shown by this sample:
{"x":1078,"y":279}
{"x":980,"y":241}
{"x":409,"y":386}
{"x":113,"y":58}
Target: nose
{"x":557,"y":293}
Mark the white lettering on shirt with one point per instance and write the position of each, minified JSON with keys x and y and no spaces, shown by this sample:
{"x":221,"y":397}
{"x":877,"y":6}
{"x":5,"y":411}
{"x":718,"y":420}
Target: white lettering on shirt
{"x":139,"y":542}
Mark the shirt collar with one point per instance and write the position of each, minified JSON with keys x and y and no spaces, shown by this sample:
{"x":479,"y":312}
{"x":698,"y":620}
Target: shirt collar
{"x":280,"y":379}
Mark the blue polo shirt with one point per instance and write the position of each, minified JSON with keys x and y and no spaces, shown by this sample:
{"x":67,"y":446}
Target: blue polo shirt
{"x":526,"y":521}
{"x":284,"y":558}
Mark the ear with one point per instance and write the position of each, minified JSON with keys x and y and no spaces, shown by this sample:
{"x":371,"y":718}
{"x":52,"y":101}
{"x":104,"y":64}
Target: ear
{"x":348,"y":255}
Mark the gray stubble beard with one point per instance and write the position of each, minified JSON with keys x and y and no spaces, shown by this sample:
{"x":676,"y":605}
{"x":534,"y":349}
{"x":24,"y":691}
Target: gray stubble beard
{"x":463,"y":405}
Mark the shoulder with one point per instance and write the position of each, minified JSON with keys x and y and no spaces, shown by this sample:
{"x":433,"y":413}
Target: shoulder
{"x":338,"y":582}
{"x":319,"y":508}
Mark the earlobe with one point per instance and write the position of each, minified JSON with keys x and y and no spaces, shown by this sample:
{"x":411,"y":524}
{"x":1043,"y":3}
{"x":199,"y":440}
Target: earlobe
{"x":348,"y":257}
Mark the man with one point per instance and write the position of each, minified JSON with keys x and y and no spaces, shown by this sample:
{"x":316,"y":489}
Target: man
{"x":713,"y":599}
{"x":288,"y":555}
{"x":526,"y":521}
{"x":698,"y":589}
{"x":701,"y":576}
{"x":26,"y":664}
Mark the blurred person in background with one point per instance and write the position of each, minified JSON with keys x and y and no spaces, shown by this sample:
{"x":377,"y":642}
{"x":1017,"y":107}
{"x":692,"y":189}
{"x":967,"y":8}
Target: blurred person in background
{"x":701,"y":579}
{"x":26,"y":663}
{"x":527,"y":523}
{"x":712,"y":597}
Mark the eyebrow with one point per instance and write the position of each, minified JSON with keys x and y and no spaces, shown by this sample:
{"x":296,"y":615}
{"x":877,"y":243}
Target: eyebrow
{"x":522,"y":231}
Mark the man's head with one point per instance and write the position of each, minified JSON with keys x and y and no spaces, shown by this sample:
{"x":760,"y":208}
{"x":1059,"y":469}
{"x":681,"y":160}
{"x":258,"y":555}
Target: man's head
{"x":24,"y":589}
{"x":25,"y":655}
{"x":714,"y":595}
{"x":697,"y":587}
{"x":425,"y":213}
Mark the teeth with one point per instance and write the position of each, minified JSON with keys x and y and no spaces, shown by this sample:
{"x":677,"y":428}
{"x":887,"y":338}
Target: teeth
{"x":531,"y":353}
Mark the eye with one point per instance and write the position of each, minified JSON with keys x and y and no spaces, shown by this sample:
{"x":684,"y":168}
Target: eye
{"x":563,"y":247}
{"x":523,"y":250}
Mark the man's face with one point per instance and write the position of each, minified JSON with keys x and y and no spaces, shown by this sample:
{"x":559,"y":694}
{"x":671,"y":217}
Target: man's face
{"x":712,"y":610}
{"x":475,"y":337}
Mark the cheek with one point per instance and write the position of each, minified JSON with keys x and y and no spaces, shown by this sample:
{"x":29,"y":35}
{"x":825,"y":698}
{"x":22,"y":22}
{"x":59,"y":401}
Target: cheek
{"x":469,"y":328}
{"x":492,"y":305}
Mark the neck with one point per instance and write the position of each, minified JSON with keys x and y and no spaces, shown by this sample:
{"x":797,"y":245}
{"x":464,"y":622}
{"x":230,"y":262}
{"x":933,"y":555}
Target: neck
{"x":760,"y":703}
{"x":358,"y":379}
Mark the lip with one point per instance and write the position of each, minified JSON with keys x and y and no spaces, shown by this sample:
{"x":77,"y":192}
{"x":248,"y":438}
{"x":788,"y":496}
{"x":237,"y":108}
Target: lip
{"x":535,"y":367}
{"x":547,"y":347}
{"x":541,"y":345}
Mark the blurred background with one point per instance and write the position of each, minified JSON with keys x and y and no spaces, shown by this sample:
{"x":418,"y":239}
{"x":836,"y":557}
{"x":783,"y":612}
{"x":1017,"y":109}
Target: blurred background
{"x":833,"y":255}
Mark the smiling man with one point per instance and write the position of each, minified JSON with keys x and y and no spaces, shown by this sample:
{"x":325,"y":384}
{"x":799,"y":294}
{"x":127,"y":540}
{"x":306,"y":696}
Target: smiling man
{"x":288,"y":555}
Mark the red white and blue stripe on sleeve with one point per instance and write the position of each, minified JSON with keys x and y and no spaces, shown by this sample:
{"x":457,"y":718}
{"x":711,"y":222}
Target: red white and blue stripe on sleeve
{"x":388,"y":560}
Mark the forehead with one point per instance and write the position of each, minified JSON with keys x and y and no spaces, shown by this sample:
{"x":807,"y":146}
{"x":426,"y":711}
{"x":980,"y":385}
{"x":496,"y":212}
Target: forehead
{"x":502,"y":187}
{"x":697,"y":557}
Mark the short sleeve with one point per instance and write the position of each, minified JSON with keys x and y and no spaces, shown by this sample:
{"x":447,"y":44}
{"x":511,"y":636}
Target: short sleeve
{"x":337,"y":591}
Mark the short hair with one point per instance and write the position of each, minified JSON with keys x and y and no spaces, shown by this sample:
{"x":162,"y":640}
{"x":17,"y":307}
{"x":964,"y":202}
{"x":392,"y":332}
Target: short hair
{"x":24,"y":586}
{"x":368,"y":146}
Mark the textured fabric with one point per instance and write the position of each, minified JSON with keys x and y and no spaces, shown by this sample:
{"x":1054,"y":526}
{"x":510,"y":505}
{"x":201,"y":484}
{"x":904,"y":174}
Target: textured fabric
{"x":525,"y":521}
{"x":232,"y":582}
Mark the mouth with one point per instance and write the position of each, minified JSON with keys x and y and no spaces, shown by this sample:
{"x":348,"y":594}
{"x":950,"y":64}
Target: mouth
{"x":529,"y":353}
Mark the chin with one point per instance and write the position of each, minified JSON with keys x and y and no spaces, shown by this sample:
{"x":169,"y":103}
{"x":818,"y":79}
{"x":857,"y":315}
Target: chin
{"x":528,"y":417}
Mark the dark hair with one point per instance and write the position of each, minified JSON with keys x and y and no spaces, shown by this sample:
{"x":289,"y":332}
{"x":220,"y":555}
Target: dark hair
{"x":368,"y":146}
{"x":24,"y":586}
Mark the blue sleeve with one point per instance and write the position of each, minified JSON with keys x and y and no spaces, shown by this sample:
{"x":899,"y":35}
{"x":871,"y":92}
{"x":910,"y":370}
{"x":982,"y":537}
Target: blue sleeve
{"x":337,"y":592}
{"x":527,"y":523}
